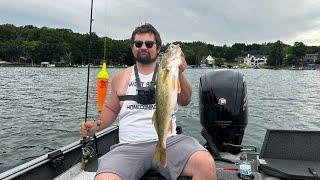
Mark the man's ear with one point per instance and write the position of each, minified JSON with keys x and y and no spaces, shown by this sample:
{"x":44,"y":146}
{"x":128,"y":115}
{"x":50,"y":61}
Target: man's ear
{"x":158,"y":50}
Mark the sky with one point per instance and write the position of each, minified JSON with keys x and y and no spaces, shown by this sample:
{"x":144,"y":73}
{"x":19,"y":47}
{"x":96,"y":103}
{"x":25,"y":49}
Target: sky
{"x":212,"y":21}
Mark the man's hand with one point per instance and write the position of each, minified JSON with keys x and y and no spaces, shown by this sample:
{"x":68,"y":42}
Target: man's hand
{"x":88,"y":128}
{"x":183,"y":65}
{"x":184,"y":97}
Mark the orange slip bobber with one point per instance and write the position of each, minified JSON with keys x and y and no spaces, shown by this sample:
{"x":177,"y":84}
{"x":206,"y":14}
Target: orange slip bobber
{"x":102,"y":86}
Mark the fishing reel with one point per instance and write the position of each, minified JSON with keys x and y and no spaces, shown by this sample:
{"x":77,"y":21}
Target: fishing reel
{"x":87,"y":149}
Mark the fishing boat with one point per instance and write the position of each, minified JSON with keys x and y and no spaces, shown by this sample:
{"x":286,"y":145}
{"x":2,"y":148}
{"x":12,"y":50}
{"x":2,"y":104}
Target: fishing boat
{"x":223,"y":107}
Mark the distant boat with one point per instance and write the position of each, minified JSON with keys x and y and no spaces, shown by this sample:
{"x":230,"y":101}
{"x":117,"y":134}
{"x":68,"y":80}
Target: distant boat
{"x":47,"y":64}
{"x":311,"y":67}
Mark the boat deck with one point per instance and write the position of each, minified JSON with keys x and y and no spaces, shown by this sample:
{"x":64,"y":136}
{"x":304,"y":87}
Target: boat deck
{"x":85,"y":175}
{"x":76,"y":173}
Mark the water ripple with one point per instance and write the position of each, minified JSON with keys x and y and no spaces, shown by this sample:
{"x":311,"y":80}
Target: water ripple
{"x":42,"y":111}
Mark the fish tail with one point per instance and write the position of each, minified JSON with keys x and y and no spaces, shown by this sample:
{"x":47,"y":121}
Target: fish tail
{"x":160,"y":155}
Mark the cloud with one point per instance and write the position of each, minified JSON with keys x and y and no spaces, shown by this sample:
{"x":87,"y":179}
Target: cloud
{"x":211,"y":21}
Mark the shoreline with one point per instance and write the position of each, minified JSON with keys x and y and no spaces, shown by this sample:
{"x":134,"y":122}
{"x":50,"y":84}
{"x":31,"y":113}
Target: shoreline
{"x":189,"y":67}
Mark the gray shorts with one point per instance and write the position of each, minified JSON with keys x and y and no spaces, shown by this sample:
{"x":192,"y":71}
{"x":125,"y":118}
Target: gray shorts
{"x":131,"y":161}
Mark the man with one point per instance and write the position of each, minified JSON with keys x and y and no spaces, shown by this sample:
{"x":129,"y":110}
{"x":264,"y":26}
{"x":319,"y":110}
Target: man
{"x":132,"y":157}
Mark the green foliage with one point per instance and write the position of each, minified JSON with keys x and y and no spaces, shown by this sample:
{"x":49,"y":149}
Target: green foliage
{"x":8,"y":32}
{"x":276,"y":54}
{"x":30,"y":44}
{"x":299,"y":49}
{"x":219,"y":62}
{"x":31,"y":50}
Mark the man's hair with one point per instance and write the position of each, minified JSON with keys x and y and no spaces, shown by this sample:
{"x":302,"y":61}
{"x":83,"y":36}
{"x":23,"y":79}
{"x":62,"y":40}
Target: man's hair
{"x":147,"y":28}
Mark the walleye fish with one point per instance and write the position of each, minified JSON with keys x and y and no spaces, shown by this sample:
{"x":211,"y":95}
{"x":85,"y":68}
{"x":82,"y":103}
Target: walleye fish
{"x":167,"y":89}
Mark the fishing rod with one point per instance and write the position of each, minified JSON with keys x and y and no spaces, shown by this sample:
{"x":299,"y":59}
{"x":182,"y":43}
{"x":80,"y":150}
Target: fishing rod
{"x":101,"y":90}
{"x":86,"y":142}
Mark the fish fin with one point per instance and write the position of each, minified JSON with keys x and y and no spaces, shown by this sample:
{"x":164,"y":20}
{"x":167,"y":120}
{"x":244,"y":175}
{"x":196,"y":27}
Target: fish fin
{"x":160,"y":155}
{"x":154,"y":121}
{"x":170,"y":127}
{"x":154,"y":118}
{"x":176,"y":85}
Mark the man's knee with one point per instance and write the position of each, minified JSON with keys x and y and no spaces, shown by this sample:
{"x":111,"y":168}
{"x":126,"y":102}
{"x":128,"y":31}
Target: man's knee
{"x":200,"y":164}
{"x":204,"y":161}
{"x":107,"y":176}
{"x":205,"y":165}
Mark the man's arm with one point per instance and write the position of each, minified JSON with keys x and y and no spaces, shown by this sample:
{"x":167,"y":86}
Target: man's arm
{"x":112,"y":106}
{"x":108,"y":114}
{"x":184,"y":97}
{"x":110,"y":110}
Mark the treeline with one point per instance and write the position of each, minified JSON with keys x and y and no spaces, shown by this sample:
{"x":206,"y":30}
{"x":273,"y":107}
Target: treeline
{"x":32,"y":45}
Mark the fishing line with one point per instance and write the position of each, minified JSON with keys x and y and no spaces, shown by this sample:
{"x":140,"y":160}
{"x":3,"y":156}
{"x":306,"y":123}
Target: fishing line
{"x":89,"y":58}
{"x":86,"y":140}
{"x":105,"y":38}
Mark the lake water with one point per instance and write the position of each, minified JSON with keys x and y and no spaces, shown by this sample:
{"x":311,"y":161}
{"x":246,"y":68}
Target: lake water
{"x":41,"y":108}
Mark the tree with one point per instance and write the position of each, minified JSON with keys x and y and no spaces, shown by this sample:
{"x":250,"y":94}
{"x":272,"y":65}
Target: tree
{"x":230,"y":53}
{"x":276,"y":54}
{"x":219,"y":62}
{"x":240,"y":48}
{"x":68,"y":58}
{"x":8,"y":32}
{"x":190,"y":57}
{"x":299,"y":50}
{"x":11,"y":50}
{"x":50,"y":44}
{"x":30,"y":50}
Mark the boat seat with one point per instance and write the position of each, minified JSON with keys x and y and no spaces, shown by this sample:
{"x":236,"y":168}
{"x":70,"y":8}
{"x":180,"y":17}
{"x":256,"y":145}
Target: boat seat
{"x":291,"y":154}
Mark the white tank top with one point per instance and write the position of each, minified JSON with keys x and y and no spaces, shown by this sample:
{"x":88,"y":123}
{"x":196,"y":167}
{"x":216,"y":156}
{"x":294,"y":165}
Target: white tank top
{"x":135,"y":120}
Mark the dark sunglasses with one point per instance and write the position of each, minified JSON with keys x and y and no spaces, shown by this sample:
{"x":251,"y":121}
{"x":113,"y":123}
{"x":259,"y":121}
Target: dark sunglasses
{"x":149,"y":44}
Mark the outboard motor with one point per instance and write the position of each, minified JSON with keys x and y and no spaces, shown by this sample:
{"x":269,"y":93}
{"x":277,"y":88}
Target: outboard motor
{"x":223,"y":106}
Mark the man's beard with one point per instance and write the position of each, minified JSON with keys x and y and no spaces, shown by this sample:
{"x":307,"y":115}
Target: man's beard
{"x":145,"y":58}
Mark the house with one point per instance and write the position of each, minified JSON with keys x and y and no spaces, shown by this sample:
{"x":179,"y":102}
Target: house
{"x":312,"y":58}
{"x":209,"y":61}
{"x":255,"y":60}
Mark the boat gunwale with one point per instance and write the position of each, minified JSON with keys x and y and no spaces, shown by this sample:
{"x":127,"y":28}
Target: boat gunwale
{"x":32,"y":164}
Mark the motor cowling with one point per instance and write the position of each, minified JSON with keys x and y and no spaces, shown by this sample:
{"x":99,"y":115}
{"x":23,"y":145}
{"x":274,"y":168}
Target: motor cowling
{"x":223,"y":107}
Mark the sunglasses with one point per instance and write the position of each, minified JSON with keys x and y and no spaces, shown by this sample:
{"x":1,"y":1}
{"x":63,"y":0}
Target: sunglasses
{"x":149,"y":44}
